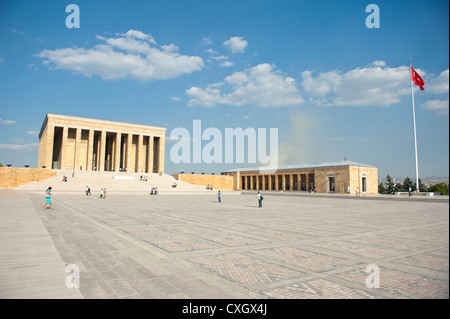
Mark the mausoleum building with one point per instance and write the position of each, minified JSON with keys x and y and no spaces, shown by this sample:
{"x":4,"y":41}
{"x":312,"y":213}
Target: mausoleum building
{"x":331,"y":177}
{"x":76,"y":143}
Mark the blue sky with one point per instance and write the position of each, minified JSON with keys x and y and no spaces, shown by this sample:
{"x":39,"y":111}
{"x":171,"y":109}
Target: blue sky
{"x":334,"y":88}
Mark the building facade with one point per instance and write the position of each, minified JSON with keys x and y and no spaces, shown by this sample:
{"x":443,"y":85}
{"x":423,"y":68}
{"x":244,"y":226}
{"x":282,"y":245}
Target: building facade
{"x":75,"y":143}
{"x":333,"y":177}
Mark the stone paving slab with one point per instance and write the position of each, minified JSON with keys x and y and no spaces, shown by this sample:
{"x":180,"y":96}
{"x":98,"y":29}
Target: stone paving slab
{"x":30,"y":265}
{"x":191,"y":247}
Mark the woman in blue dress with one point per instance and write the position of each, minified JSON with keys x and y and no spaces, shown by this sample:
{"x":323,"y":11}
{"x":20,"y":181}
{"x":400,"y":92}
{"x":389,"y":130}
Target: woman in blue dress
{"x":48,"y":199}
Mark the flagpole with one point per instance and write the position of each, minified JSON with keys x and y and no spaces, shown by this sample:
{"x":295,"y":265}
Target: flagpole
{"x":415,"y":134}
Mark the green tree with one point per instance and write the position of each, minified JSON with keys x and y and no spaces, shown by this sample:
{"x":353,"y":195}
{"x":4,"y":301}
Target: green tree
{"x":440,"y":188}
{"x":390,"y":189}
{"x":398,"y":187}
{"x":407,"y":183}
{"x":422,"y":186}
{"x":1,"y":165}
{"x":381,"y":188}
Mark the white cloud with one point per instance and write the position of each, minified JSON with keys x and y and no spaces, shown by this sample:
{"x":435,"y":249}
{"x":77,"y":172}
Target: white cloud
{"x":236,"y":44}
{"x":439,"y":106}
{"x":261,"y":86}
{"x":17,"y":31}
{"x":376,"y":85}
{"x":136,"y":34}
{"x":207,"y":41}
{"x":226,"y":63}
{"x":174,"y":98}
{"x":439,"y":84}
{"x":20,"y":147}
{"x":34,"y":133}
{"x":133,"y":54}
{"x":7,"y":122}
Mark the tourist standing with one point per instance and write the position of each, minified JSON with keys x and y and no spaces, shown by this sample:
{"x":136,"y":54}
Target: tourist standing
{"x":48,"y":199}
{"x":260,"y":199}
{"x":357,"y":191}
{"x":219,"y":197}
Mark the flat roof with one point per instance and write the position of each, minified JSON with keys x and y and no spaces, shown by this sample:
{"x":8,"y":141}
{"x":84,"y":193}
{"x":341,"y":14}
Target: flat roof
{"x":298,"y":166}
{"x":96,"y":121}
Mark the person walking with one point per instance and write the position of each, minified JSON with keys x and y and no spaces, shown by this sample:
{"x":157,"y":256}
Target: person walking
{"x":219,"y":196}
{"x":357,"y":192}
{"x":260,"y":199}
{"x":48,"y":199}
{"x":87,"y":190}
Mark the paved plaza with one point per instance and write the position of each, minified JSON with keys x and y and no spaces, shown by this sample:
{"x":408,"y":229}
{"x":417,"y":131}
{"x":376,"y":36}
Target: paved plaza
{"x":190,"y":246}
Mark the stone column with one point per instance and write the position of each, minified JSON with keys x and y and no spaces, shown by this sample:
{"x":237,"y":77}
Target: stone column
{"x":90,"y":150}
{"x":276,"y":183}
{"x":263,"y":182}
{"x":46,"y":154}
{"x":308,"y":182}
{"x":129,"y":142}
{"x":102,"y":152}
{"x":117,"y":148}
{"x":150,"y":155}
{"x":77,"y":162}
{"x":63,"y":159}
{"x":283,"y":182}
{"x":162,"y":142}
{"x":291,"y":182}
{"x":270,"y":182}
{"x":140,"y":154}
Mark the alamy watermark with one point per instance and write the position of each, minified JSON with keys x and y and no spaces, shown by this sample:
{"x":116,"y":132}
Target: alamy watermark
{"x":73,"y":19}
{"x":228,"y":148}
{"x":373,"y":19}
{"x":73,"y":279}
{"x":373,"y":280}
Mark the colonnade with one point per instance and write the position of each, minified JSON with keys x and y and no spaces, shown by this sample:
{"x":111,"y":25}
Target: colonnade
{"x":78,"y":148}
{"x":302,"y":181}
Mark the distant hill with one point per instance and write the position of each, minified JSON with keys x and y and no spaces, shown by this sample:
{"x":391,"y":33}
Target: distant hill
{"x":435,"y":180}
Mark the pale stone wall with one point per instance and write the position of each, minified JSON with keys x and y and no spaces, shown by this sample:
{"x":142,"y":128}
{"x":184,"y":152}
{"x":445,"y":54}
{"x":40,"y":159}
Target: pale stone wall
{"x":13,"y":176}
{"x":293,"y":179}
{"x":218,"y":182}
{"x":356,"y":175}
{"x":78,"y":148}
{"x":340,"y":174}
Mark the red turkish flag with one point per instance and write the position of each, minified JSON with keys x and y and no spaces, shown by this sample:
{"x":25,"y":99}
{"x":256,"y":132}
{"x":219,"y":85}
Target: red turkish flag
{"x":417,"y":79}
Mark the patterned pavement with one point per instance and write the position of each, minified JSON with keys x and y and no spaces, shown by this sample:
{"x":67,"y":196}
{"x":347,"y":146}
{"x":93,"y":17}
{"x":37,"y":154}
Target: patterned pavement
{"x":190,"y":246}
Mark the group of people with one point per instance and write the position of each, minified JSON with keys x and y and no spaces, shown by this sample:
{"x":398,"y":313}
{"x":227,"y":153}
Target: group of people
{"x":143,"y":178}
{"x":209,"y":187}
{"x":174,"y":185}
{"x":102,"y":192}
{"x":154,"y":191}
{"x":259,"y":196}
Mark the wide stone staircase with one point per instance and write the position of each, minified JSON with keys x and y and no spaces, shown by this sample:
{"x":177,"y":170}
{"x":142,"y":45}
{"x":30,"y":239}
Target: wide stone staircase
{"x":113,"y":182}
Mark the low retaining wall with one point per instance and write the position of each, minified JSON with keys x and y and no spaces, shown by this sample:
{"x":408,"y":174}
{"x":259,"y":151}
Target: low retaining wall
{"x":218,"y":182}
{"x":12,"y":176}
